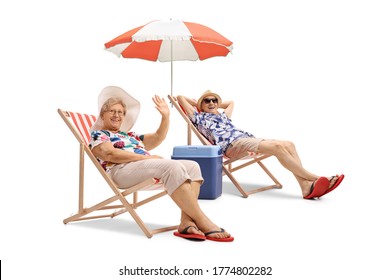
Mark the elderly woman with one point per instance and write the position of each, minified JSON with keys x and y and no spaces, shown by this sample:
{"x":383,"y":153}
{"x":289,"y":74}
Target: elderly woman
{"x":126,"y":158}
{"x":219,"y":130}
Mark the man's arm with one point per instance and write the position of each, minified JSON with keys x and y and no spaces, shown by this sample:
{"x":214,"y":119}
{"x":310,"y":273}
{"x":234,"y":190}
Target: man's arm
{"x":188,"y":104}
{"x":228,"y":107}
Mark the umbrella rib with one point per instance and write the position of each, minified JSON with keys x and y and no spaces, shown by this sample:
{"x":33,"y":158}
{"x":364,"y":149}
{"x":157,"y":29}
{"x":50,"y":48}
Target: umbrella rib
{"x":219,"y":44}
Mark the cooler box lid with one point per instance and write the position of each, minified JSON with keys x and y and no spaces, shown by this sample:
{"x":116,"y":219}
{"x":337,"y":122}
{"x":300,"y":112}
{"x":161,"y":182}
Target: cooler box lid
{"x":199,"y":151}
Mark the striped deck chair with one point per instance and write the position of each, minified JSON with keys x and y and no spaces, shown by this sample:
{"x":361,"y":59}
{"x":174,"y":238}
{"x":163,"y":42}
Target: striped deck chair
{"x":230,"y":165}
{"x":79,"y":124}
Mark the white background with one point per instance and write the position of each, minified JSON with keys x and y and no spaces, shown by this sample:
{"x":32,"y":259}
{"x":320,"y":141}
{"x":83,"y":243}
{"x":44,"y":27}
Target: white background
{"x":314,"y":72}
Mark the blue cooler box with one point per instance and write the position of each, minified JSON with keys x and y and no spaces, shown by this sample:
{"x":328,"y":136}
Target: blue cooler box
{"x":210,"y":160}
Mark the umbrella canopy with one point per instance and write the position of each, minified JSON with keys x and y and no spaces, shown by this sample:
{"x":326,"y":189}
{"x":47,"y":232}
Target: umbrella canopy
{"x":169,"y":41}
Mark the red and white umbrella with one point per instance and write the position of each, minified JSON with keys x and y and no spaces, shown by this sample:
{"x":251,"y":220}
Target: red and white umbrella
{"x":170,"y":41}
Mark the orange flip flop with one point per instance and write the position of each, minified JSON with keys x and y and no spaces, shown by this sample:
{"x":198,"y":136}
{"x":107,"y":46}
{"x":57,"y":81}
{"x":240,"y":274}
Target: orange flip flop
{"x":336,"y":184}
{"x":318,"y":188}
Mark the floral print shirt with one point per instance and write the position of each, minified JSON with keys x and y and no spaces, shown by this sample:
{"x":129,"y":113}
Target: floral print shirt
{"x":130,"y":142}
{"x":218,"y":129}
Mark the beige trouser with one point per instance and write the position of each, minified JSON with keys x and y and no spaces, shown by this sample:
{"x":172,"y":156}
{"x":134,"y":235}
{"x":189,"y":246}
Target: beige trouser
{"x":242,"y":145}
{"x":172,"y":173}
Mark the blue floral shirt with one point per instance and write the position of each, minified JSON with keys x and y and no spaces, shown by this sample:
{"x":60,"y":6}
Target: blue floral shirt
{"x":130,"y":142}
{"x":218,"y":129}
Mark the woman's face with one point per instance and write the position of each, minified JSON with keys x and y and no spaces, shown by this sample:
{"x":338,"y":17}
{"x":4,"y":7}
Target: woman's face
{"x":113,"y":117}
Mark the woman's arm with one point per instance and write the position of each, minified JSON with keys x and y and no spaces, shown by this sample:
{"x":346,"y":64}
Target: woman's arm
{"x":152,"y":140}
{"x":107,"y":152}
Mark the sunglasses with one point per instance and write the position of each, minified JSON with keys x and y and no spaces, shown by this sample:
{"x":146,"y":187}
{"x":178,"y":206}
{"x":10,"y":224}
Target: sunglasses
{"x":208,"y":100}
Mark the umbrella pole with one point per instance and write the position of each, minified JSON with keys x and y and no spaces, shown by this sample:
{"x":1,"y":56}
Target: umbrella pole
{"x":171,"y":77}
{"x":171,"y":70}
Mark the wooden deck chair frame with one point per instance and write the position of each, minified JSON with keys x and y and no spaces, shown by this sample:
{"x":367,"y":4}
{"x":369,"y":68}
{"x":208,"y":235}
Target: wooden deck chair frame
{"x":79,"y":124}
{"x":230,"y":165}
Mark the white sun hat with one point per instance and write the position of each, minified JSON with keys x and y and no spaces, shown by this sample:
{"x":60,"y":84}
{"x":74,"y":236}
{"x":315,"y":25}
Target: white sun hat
{"x":132,"y":107}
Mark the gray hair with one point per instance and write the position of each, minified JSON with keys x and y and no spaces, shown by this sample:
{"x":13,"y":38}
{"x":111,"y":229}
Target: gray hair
{"x":110,"y":102}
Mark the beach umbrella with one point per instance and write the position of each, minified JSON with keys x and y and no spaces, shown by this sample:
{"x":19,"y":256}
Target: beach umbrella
{"x":169,"y":41}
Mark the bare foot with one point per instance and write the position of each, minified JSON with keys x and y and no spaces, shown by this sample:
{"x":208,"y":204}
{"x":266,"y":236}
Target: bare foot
{"x":318,"y":188}
{"x":333,"y":180}
{"x":306,"y":187}
{"x":189,"y":228}
{"x":213,"y":230}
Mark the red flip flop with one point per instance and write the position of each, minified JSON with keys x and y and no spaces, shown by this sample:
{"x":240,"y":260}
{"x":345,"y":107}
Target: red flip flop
{"x":225,"y":239}
{"x":191,"y":236}
{"x":318,"y":188}
{"x":336,"y":184}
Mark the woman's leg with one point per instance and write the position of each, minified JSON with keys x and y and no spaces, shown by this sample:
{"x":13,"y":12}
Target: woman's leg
{"x":182,"y":180}
{"x":194,"y":173}
{"x":184,"y":197}
{"x":186,"y":220}
{"x":198,"y":219}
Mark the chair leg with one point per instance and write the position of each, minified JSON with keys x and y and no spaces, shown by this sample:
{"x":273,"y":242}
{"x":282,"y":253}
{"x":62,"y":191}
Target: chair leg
{"x":126,"y":207}
{"x":234,"y":181}
{"x":81,"y":179}
{"x":278,"y":185}
{"x":228,"y":170}
{"x":135,"y":199}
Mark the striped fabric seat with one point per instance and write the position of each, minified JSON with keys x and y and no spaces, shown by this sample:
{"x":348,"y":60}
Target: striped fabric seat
{"x":83,"y":123}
